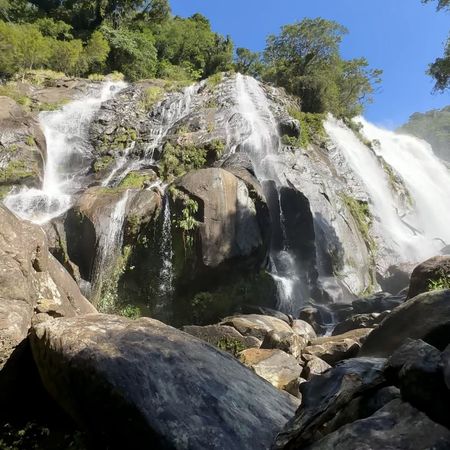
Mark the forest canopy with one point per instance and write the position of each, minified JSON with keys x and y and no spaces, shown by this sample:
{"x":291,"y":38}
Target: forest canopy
{"x":142,"y":39}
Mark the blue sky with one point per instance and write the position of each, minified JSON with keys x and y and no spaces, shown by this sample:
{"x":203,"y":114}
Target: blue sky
{"x":399,"y":36}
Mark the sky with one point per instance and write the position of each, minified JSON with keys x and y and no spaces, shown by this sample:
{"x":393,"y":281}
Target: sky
{"x":399,"y":36}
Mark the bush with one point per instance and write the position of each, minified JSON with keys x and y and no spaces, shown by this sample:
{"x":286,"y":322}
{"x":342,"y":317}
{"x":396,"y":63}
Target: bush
{"x":151,"y":96}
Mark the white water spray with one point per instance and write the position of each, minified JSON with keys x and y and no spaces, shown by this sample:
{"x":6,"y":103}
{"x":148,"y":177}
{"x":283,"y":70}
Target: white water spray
{"x":66,"y":134}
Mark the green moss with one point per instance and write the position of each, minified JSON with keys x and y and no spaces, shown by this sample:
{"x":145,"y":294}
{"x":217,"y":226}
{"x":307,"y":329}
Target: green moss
{"x":133,"y":224}
{"x":102,"y":163}
{"x":10,"y":90}
{"x":214,"y":80}
{"x":311,"y":129}
{"x":151,"y":96}
{"x":4,"y":191}
{"x":96,"y":77}
{"x":52,"y":106}
{"x":230,"y":345}
{"x":16,"y":171}
{"x":135,"y":180}
{"x":30,"y":141}
{"x":177,"y":160}
{"x":442,"y":282}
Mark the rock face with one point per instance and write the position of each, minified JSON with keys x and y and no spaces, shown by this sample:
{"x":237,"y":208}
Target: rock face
{"x":31,"y":282}
{"x":432,"y":270}
{"x":426,"y":317}
{"x":150,"y":385}
{"x":397,"y":425}
{"x":325,"y":395}
{"x":22,"y":147}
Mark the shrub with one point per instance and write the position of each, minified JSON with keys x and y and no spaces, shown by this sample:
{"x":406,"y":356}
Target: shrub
{"x":177,"y":160}
{"x":443,"y":282}
{"x":151,"y":96}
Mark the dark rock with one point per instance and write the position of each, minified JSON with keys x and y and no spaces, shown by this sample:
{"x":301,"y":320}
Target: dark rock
{"x":395,"y":278}
{"x":324,"y":396}
{"x":313,"y":316}
{"x":222,"y":336}
{"x":425,"y":317}
{"x":376,"y":303}
{"x":142,"y":384}
{"x":359,"y":321}
{"x":417,"y":369}
{"x":397,"y":425}
{"x":433,"y":269}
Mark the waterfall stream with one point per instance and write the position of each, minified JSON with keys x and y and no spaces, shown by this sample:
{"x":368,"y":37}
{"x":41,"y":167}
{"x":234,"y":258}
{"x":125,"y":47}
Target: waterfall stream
{"x":66,"y":134}
{"x":263,"y":145}
{"x":421,"y":231}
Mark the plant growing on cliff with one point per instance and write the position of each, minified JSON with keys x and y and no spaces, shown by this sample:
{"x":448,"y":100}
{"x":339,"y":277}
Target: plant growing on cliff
{"x":442,"y":282}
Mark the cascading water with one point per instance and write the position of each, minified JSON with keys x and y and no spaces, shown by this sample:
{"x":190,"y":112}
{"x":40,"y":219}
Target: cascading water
{"x":68,"y":148}
{"x":263,"y":145}
{"x":109,"y":243}
{"x":165,"y":287}
{"x":421,"y":231}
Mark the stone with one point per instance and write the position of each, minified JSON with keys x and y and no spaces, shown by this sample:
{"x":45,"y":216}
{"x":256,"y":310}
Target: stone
{"x":289,"y":342}
{"x":426,"y":317}
{"x":377,"y":303}
{"x":256,"y":325}
{"x":432,"y":269}
{"x":395,"y":278}
{"x":141,"y":384}
{"x":223,"y":336}
{"x":335,"y":348}
{"x":416,"y":367}
{"x":397,"y":425}
{"x":313,"y":317}
{"x":277,"y":367}
{"x":314,"y":366}
{"x":446,"y":366}
{"x":304,"y":329}
{"x":324,"y":396}
{"x":359,"y":321}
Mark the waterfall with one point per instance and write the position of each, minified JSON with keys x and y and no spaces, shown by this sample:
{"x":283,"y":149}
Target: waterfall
{"x":419,"y":232}
{"x":263,"y":146}
{"x":109,"y":243}
{"x":67,"y":161}
{"x":165,"y":288}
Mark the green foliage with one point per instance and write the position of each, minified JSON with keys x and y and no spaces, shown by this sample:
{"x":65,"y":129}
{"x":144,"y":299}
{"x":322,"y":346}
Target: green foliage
{"x":52,"y":106}
{"x":230,"y":345}
{"x":176,"y":160}
{"x":187,"y":223}
{"x":131,"y":311}
{"x":11,"y":91}
{"x":248,"y":62}
{"x":135,"y":180}
{"x":442,"y":4}
{"x":214,"y":80}
{"x":305,"y":59}
{"x":363,"y":218}
{"x":442,"y":282}
{"x":432,"y":126}
{"x":151,"y":96}
{"x":311,"y":129}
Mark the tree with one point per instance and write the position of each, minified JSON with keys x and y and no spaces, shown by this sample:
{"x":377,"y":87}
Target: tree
{"x":305,"y":59}
{"x":158,"y":11}
{"x":95,"y":52}
{"x":66,"y":55}
{"x":440,"y":68}
{"x":248,"y":62}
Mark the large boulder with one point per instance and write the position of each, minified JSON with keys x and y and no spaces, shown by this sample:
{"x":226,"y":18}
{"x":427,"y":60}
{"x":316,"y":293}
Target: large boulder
{"x":434,"y":270}
{"x":324,"y":396}
{"x":22,"y":147}
{"x":142,"y":384}
{"x":425,"y":317}
{"x":397,"y":425}
{"x":32,"y":282}
{"x":277,"y":367}
{"x":359,"y":321}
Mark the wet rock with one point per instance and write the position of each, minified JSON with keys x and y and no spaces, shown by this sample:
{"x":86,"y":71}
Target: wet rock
{"x":324,"y":396}
{"x":313,"y":316}
{"x":289,"y":342}
{"x":224,"y":337}
{"x":425,"y":317}
{"x":141,"y":384}
{"x":22,"y":147}
{"x":257,"y":325}
{"x":313,"y":366}
{"x":335,"y":348}
{"x":431,"y":270}
{"x":396,"y":425}
{"x":377,"y":303}
{"x":359,"y":321}
{"x":277,"y":367}
{"x":395,"y":278}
